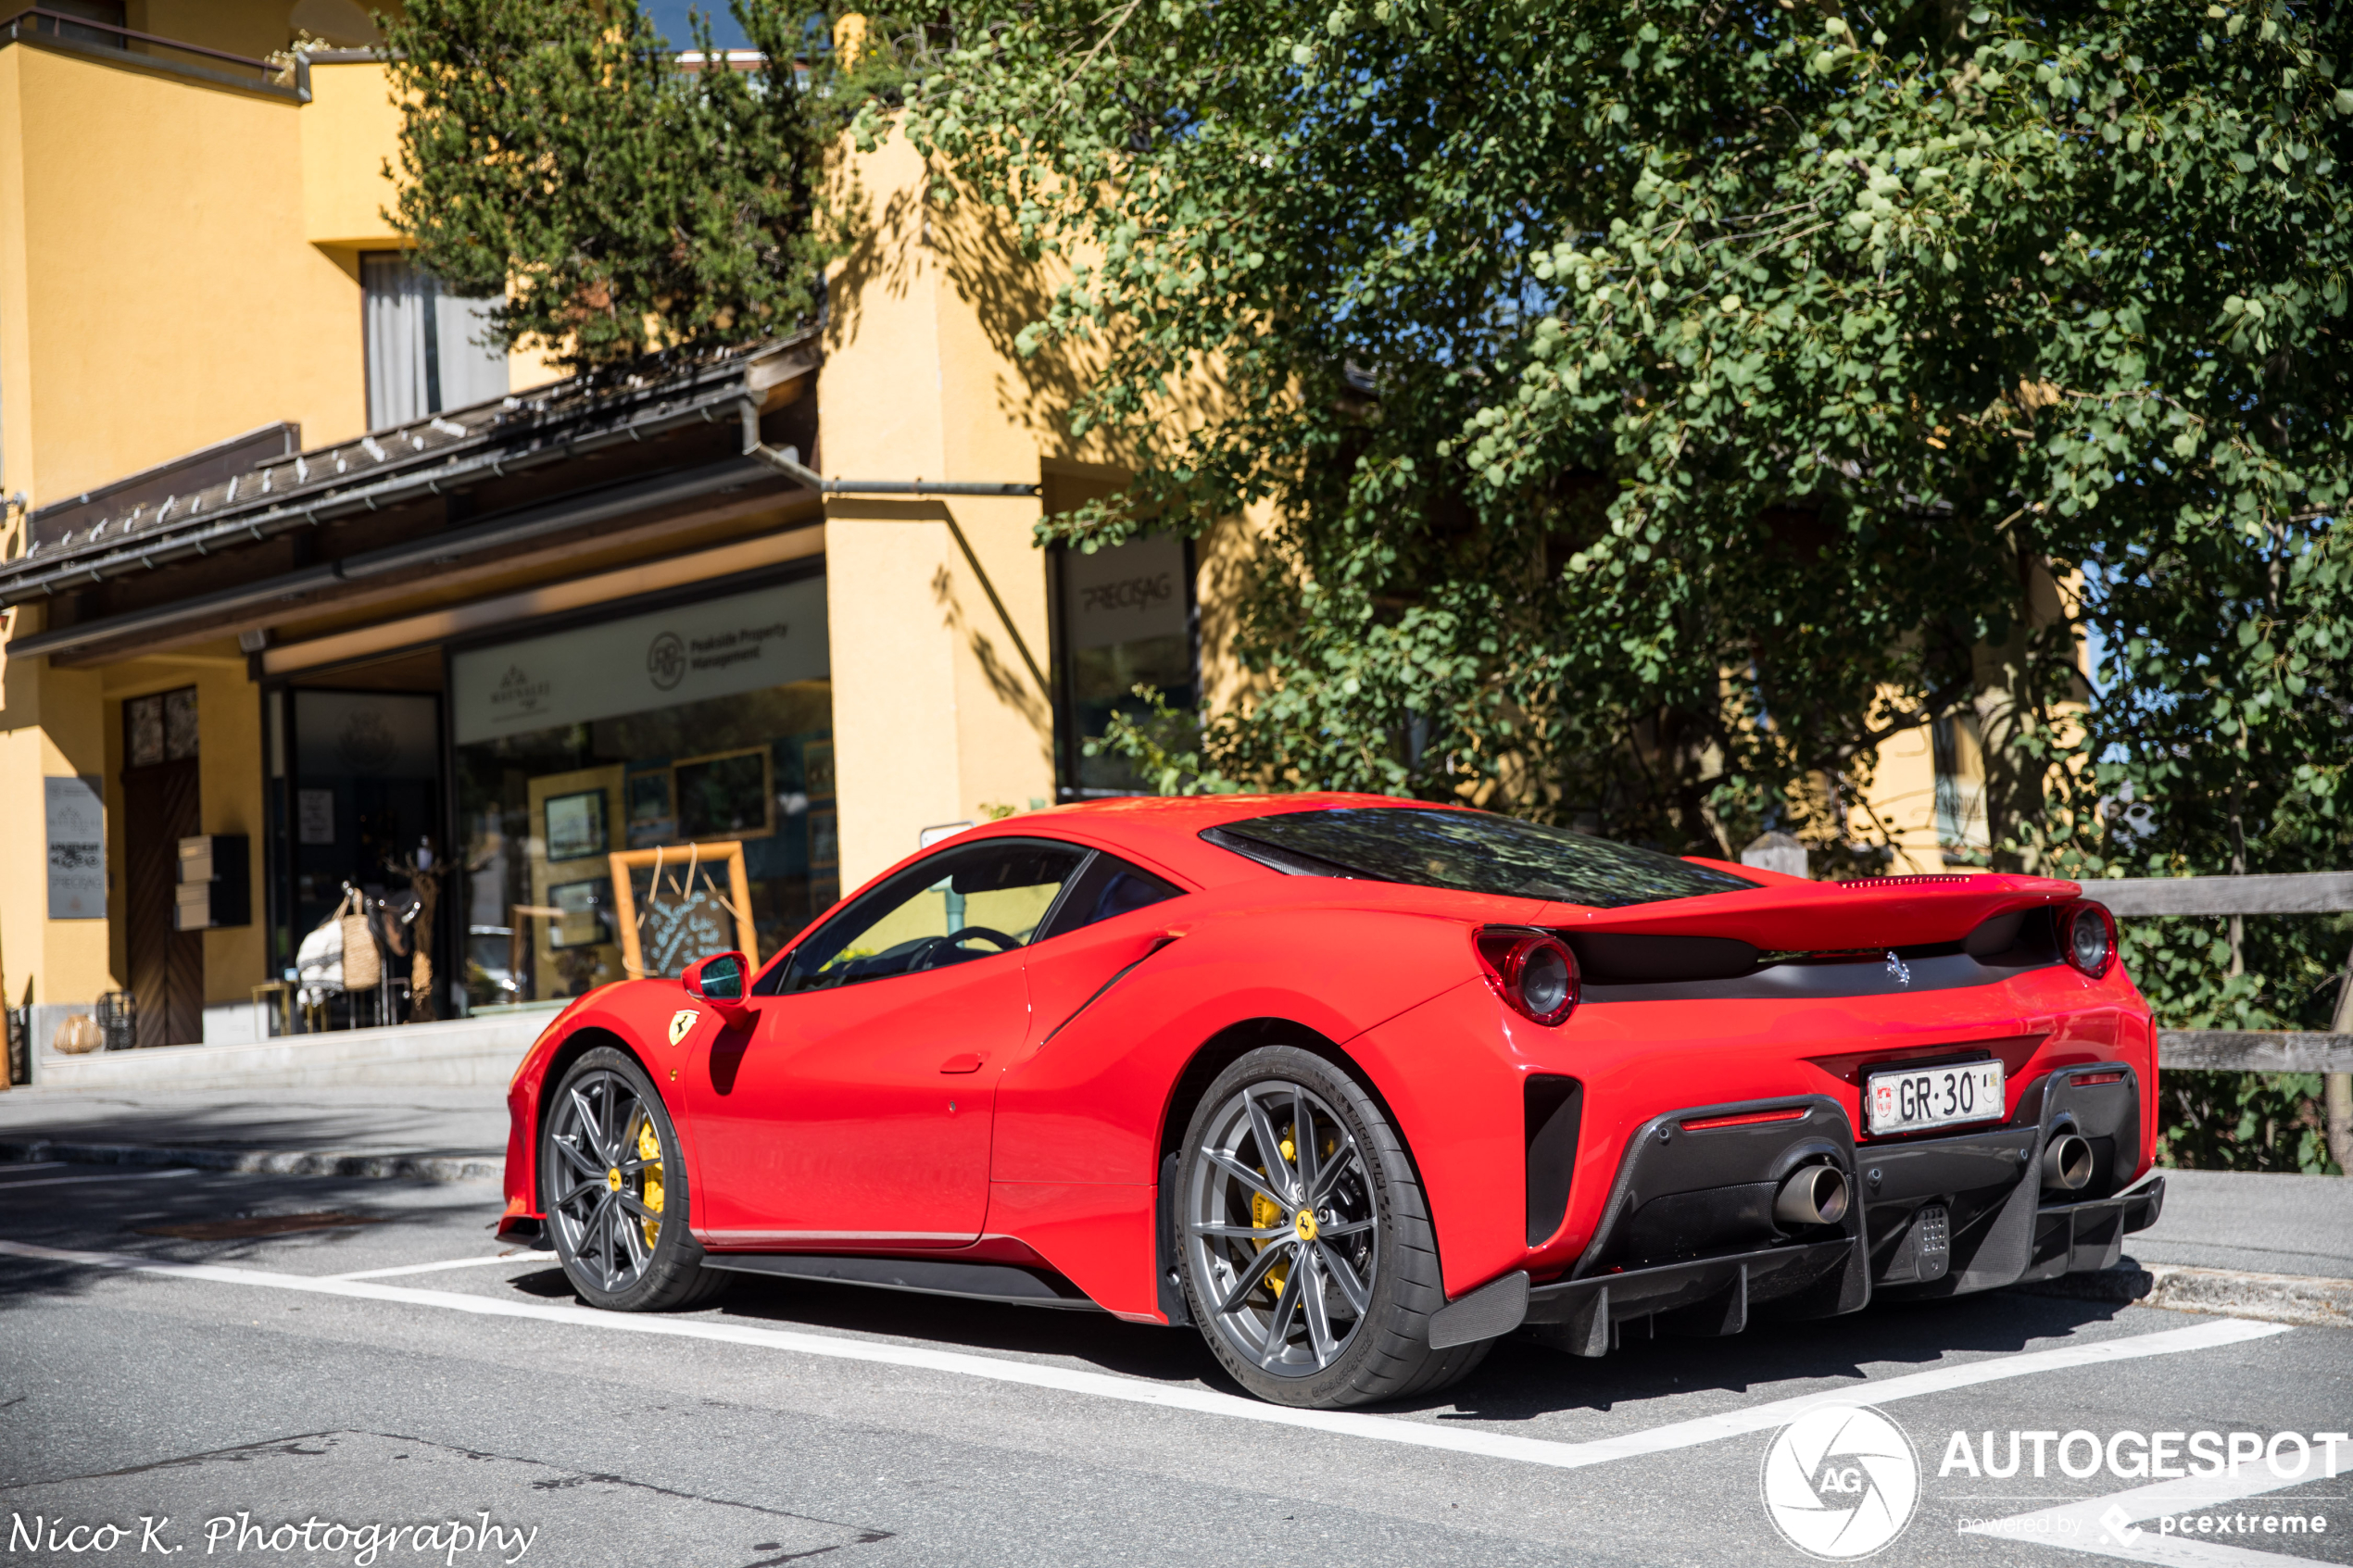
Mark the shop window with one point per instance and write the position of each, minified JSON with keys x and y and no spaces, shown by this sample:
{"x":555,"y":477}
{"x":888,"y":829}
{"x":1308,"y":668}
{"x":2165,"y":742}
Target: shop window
{"x":706,"y":722}
{"x":422,"y":356}
{"x":1126,"y":619}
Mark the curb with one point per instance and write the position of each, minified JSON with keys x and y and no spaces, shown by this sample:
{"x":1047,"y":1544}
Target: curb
{"x":2305,"y":1299}
{"x":257,"y":1161}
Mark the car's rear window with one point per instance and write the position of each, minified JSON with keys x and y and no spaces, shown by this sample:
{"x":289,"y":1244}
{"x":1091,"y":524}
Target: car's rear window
{"x":1472,"y":851}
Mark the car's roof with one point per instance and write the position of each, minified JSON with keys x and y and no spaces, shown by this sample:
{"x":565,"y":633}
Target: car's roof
{"x":1167,"y":828}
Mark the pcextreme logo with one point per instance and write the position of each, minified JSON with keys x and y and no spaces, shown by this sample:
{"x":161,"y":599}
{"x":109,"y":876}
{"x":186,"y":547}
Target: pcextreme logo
{"x":1840,"y":1482}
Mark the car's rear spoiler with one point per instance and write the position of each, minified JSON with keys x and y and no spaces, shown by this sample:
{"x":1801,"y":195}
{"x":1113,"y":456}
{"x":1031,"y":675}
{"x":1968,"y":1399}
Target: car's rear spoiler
{"x":1785,"y":913}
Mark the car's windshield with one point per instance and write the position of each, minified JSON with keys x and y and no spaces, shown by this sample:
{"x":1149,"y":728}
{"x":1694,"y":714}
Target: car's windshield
{"x":1472,"y":851}
{"x":968,"y":902}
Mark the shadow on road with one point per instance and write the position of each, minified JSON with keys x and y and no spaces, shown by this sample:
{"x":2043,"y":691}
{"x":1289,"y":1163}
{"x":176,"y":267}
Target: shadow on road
{"x":1520,"y":1379}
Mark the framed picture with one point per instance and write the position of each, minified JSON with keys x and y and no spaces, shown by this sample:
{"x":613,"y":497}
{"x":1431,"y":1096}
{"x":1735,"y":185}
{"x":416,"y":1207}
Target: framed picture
{"x":825,"y":840}
{"x":653,"y":816}
{"x":680,"y":902}
{"x":817,"y":769}
{"x":584,"y":913}
{"x":731,"y":794}
{"x":576,"y":825}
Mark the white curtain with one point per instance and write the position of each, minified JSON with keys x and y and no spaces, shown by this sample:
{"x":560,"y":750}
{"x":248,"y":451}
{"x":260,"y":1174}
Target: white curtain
{"x":422,"y":356}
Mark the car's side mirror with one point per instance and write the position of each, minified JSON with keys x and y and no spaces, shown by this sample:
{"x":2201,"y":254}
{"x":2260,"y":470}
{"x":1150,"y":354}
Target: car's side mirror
{"x":719,"y":980}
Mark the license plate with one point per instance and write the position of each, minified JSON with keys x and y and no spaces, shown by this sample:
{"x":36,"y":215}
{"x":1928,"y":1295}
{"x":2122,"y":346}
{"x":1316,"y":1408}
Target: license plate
{"x":1934,"y":1096}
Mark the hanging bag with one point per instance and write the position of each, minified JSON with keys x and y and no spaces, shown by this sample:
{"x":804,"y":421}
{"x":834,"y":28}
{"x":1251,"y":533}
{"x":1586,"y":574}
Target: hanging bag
{"x":362,"y":964}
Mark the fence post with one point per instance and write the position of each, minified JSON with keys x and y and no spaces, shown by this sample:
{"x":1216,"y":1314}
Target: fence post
{"x":2336,"y":1089}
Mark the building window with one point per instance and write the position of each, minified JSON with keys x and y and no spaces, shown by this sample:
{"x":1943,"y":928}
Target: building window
{"x":671,"y":730}
{"x":109,"y":13}
{"x":1126,"y":619}
{"x":161,"y":728}
{"x":422,"y":356}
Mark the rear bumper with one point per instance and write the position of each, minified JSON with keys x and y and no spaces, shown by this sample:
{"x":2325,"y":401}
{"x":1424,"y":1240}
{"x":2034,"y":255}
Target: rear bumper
{"x":1686,"y":1241}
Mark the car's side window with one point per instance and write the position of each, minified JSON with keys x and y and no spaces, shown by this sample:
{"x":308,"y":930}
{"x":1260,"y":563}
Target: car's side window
{"x":1109,"y":886}
{"x":964,"y":903}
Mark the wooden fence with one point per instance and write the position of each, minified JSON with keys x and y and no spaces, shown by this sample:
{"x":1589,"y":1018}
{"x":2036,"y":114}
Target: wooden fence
{"x":2242,"y":1050}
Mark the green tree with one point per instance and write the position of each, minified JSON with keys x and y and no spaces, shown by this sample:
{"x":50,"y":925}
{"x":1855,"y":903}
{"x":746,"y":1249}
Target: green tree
{"x":1665,"y":404}
{"x":555,"y":155}
{"x":1668,"y":403}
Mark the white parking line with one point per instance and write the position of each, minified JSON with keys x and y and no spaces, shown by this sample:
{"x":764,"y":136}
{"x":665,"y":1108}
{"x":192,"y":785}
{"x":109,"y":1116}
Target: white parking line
{"x":2111,"y":1526}
{"x":110,"y":1176}
{"x":542,"y":1259}
{"x":1379,"y":1428}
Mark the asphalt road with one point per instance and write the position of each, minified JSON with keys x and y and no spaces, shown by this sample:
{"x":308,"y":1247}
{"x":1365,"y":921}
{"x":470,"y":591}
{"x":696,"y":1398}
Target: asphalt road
{"x":2219,"y":1220}
{"x":232,"y":1403}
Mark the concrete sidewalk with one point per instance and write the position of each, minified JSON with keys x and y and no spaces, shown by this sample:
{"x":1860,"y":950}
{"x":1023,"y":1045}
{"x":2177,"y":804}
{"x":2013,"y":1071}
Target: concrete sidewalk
{"x":453,"y":1054}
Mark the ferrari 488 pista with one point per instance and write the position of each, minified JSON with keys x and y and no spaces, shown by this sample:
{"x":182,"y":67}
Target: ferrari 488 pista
{"x":1355,"y":1086}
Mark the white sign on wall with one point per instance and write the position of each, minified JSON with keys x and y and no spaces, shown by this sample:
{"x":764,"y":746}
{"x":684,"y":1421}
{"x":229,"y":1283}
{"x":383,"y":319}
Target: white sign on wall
{"x":1125,"y":593}
{"x":77,"y":823}
{"x":719,"y":647}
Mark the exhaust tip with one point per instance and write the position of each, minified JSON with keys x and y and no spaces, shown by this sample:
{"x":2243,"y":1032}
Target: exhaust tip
{"x":2066,"y":1164}
{"x":1814,"y":1196}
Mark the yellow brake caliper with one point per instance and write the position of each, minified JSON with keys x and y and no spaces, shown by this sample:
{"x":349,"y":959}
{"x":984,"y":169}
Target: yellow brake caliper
{"x":649,"y":1178}
{"x":1266,"y":1213}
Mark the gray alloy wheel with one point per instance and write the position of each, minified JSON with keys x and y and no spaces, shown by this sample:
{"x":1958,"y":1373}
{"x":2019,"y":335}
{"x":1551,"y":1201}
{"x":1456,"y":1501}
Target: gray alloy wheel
{"x":613,"y":1189}
{"x":1309,"y":1260}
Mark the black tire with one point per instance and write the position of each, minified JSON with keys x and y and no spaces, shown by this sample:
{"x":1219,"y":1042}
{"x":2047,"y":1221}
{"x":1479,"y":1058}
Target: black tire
{"x":1377,"y":1218}
{"x":602,"y":1113}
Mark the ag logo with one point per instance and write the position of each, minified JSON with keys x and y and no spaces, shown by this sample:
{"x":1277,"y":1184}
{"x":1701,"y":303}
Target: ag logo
{"x":1840,"y":1482}
{"x":682,"y":1023}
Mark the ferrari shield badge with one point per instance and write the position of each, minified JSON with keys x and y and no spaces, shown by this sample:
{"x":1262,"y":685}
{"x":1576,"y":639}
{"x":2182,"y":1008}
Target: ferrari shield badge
{"x":682,"y":1023}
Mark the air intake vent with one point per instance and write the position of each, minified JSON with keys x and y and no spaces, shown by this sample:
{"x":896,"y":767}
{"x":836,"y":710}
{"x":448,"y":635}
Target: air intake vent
{"x":1555,"y":1106}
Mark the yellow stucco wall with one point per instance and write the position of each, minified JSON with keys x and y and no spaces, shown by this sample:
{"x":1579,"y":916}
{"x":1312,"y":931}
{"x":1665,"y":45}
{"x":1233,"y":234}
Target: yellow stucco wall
{"x":168,"y":296}
{"x":178,"y":264}
{"x":349,"y":129}
{"x":938,"y":713}
{"x":52,"y":726}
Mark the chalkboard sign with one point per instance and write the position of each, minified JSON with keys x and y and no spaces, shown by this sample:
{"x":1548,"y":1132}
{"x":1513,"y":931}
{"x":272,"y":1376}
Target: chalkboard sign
{"x":677,"y":903}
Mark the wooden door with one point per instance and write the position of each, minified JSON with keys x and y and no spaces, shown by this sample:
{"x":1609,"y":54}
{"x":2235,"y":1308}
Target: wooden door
{"x":167,"y":967}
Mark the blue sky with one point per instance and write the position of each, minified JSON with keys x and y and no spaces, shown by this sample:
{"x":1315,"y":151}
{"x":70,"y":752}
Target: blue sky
{"x":670,"y":15}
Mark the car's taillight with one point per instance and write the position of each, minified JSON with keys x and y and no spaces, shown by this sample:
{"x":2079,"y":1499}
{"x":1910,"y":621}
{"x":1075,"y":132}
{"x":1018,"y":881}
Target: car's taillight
{"x":1533,"y":972}
{"x":2087,"y":936}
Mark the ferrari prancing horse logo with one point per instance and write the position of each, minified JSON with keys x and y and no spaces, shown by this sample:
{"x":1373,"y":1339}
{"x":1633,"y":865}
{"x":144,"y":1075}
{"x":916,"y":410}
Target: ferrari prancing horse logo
{"x":682,"y":1023}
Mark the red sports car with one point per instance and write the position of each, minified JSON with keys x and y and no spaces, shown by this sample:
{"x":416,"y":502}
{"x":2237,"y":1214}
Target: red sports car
{"x":1356,"y":1086}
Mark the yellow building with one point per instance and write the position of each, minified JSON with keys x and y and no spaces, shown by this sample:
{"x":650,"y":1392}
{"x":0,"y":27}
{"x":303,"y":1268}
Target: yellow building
{"x":312,"y":604}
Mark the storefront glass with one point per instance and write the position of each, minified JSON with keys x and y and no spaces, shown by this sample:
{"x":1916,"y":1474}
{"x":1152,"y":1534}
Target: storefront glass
{"x":698,"y":724}
{"x":366,"y":800}
{"x":1125,"y":620}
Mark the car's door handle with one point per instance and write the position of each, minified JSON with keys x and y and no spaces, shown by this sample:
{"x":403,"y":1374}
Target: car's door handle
{"x":968,"y":1062}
